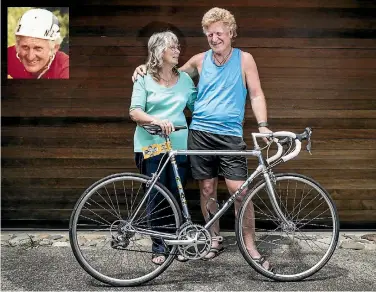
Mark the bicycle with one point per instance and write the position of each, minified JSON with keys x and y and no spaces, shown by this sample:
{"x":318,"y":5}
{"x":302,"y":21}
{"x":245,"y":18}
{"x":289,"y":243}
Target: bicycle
{"x":290,"y":212}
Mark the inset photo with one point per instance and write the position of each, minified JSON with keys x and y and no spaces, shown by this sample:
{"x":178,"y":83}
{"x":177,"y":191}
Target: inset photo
{"x":38,"y":42}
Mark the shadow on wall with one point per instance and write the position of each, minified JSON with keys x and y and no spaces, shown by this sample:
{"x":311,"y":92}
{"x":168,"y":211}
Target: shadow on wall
{"x":158,"y":26}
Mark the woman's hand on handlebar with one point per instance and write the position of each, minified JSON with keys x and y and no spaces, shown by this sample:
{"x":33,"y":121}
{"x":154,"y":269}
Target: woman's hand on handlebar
{"x":166,"y":126}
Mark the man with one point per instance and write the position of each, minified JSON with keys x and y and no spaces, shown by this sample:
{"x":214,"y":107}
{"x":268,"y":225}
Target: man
{"x":225,"y":74}
{"x":36,"y":53}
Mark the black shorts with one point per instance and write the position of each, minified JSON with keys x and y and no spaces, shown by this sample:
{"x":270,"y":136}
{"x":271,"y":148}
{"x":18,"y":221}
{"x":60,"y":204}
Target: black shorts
{"x":211,"y":166}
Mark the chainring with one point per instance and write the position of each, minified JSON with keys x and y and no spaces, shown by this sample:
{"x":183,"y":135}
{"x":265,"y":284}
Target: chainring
{"x":201,"y":245}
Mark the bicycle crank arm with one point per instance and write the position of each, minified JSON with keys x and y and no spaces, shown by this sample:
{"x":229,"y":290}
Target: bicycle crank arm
{"x":184,"y":242}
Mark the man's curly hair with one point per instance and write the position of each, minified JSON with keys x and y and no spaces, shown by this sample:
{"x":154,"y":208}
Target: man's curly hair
{"x":219,"y":14}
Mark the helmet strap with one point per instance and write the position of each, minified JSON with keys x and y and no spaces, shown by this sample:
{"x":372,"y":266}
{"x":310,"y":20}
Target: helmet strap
{"x":48,"y":66}
{"x":18,"y":57}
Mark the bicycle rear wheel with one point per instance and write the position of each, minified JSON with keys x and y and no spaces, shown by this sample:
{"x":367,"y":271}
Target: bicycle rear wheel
{"x":303,"y":246}
{"x":110,"y":229}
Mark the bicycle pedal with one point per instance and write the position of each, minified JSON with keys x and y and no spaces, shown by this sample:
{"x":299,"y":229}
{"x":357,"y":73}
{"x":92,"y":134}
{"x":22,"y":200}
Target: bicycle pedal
{"x":217,"y":238}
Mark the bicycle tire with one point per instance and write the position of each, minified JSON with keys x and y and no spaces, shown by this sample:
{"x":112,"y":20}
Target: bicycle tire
{"x":289,"y":252}
{"x":95,"y":215}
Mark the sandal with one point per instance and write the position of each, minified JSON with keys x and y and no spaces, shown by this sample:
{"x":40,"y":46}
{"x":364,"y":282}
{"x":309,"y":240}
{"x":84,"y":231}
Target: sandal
{"x":261,"y":260}
{"x":216,"y":251}
{"x":158,"y":259}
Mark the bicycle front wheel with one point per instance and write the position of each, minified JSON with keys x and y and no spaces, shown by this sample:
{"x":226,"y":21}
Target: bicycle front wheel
{"x":295,"y":249}
{"x":115,"y":229}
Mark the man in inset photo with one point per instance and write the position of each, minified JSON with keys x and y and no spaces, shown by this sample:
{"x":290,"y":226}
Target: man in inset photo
{"x":36,"y":53}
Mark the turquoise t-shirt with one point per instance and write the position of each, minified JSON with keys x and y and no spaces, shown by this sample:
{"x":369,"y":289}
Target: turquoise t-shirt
{"x":163,"y":103}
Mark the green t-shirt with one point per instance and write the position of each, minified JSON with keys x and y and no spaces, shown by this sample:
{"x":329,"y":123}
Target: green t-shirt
{"x":163,"y":103}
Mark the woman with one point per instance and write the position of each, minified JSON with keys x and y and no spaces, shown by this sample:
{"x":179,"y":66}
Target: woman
{"x":160,"y":99}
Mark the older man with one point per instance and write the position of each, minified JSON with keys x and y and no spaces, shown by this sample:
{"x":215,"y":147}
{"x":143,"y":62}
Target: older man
{"x":225,"y":75}
{"x":36,"y":53}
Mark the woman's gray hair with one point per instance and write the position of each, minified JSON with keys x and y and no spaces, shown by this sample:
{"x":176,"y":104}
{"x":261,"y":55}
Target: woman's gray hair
{"x":157,"y":45}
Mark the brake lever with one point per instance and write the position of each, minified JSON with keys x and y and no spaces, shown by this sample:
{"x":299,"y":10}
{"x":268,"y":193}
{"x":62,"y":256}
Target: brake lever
{"x":309,"y":145}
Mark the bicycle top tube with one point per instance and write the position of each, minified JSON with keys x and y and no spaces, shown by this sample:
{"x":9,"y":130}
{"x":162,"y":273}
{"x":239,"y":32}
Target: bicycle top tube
{"x":218,"y":152}
{"x":297,"y":138}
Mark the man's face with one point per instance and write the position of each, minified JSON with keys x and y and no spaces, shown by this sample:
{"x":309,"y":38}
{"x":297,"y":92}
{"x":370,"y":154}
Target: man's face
{"x":219,"y":36}
{"x":34,"y":53}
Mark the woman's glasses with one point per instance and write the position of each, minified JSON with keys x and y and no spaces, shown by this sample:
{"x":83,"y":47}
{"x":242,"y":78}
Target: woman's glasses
{"x":175,"y":48}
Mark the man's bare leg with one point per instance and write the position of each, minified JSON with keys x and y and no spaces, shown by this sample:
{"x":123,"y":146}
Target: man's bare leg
{"x":208,"y":190}
{"x":249,"y":224}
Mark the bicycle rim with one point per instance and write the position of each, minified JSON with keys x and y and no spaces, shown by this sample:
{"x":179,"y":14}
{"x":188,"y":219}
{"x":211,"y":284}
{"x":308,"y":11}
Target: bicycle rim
{"x":303,"y":246}
{"x":108,"y":244}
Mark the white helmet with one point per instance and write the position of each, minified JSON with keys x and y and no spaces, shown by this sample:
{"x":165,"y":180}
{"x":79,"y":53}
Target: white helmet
{"x":39,"y":23}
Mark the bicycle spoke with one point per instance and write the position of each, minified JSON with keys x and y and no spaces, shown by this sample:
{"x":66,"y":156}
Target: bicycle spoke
{"x":99,"y":205}
{"x":125,"y":199}
{"x":112,"y":204}
{"x":106,"y":204}
{"x":117,"y":202}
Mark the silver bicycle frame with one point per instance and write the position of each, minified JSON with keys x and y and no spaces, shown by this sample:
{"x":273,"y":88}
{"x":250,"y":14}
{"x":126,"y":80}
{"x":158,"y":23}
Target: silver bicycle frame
{"x":260,"y":169}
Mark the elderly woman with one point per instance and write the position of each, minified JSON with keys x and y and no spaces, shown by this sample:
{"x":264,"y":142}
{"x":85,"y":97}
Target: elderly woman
{"x":160,"y":99}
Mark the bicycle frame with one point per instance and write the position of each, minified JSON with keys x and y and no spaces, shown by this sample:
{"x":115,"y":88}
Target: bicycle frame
{"x":260,"y":169}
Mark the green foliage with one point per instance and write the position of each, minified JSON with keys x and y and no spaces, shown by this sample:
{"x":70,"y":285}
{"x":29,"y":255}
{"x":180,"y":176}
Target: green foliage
{"x":64,"y":24}
{"x":15,"y":13}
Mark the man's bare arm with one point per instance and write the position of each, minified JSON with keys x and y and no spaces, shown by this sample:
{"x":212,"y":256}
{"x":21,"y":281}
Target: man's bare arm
{"x":139,"y":71}
{"x":256,"y":94}
{"x":193,"y":66}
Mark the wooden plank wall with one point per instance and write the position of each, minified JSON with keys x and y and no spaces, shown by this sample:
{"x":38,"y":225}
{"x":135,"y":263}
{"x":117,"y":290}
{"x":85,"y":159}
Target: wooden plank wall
{"x":316,"y":61}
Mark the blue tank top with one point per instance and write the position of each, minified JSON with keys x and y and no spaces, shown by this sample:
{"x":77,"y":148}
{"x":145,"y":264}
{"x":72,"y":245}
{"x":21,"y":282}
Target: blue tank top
{"x":219,"y":107}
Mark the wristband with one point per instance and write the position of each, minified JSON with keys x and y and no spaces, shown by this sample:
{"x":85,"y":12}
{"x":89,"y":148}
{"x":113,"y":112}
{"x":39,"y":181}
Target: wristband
{"x":263,"y":124}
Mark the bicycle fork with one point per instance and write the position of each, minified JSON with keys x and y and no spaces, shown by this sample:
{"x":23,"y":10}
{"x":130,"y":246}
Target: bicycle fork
{"x":286,"y":224}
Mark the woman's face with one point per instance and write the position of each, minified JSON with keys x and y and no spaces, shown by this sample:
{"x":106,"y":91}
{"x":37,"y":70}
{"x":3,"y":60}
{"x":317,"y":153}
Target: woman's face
{"x":171,"y":54}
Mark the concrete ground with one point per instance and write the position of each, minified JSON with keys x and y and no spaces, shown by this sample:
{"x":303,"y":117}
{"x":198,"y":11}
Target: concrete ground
{"x":55,"y":268}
